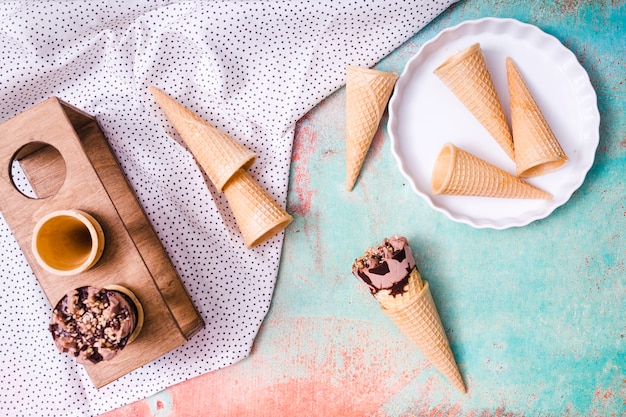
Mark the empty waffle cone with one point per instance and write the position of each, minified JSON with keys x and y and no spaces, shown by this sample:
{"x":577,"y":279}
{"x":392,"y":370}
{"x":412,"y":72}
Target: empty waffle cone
{"x":367,"y":94}
{"x":219,"y":155}
{"x":537,"y":150}
{"x":458,"y":172}
{"x":415,"y":314}
{"x":258,"y":216}
{"x":467,"y":76}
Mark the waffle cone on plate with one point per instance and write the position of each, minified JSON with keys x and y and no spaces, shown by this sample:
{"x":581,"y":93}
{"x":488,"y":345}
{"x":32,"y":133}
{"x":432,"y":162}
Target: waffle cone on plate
{"x":458,"y":172}
{"x":219,"y":155}
{"x":415,"y":314}
{"x":392,"y":277}
{"x":258,"y":216}
{"x":367,"y":94}
{"x":467,"y":76}
{"x":537,"y":150}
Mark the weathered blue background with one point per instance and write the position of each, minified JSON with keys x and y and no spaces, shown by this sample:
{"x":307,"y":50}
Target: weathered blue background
{"x":536,"y":315}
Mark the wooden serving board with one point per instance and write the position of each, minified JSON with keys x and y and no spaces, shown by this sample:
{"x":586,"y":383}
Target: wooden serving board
{"x":91,"y":180}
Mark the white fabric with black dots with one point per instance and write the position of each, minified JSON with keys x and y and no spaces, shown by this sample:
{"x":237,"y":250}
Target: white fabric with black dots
{"x":251,"y":68}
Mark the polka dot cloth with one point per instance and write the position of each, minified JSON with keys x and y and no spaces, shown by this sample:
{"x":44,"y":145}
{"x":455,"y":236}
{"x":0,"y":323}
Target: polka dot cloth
{"x":252,"y":68}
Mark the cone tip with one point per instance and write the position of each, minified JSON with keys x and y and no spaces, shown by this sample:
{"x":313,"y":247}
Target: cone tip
{"x":458,"y":57}
{"x":460,"y":385}
{"x":153,"y":90}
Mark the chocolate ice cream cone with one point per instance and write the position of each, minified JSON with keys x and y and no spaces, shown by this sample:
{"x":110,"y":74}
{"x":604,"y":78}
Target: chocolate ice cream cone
{"x":458,"y":172}
{"x":219,"y":155}
{"x":390,"y":273}
{"x":367,"y":94}
{"x":467,"y":76}
{"x":258,"y":216}
{"x":537,"y":150}
{"x":415,"y":314}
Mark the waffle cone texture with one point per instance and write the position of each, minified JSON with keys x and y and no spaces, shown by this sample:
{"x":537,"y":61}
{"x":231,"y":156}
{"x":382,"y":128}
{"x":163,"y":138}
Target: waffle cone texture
{"x":467,"y":76}
{"x":367,"y":94}
{"x":258,"y":216}
{"x":219,"y":155}
{"x":537,"y":150}
{"x":415,"y":314}
{"x":458,"y":172}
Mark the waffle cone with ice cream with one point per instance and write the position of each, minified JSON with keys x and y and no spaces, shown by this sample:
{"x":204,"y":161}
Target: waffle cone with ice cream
{"x":226,"y":162}
{"x":537,"y":150}
{"x":391,"y":274}
{"x":458,"y":172}
{"x":367,"y":94}
{"x":466,"y":74}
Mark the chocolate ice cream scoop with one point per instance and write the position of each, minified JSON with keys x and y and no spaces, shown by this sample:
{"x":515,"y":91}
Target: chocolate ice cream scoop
{"x":386,"y":267}
{"x":94,"y":324}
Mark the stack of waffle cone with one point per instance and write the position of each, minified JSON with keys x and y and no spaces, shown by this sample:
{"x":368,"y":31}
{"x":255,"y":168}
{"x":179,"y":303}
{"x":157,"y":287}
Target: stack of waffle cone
{"x":458,"y":172}
{"x":217,"y":153}
{"x":537,"y":150}
{"x":367,"y":94}
{"x":467,"y":76}
{"x":225,"y":161}
{"x":415,"y":314}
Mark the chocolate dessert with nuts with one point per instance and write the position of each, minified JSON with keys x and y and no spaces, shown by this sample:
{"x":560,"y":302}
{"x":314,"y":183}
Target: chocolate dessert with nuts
{"x":386,"y":267}
{"x":94,"y":324}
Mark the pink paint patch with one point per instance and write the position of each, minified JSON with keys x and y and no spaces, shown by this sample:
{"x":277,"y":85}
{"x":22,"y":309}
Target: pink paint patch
{"x":354,"y":375}
{"x":160,"y":405}
{"x":305,"y":141}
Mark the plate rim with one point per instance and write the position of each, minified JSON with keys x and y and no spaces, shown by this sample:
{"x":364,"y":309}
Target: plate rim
{"x":593,"y":123}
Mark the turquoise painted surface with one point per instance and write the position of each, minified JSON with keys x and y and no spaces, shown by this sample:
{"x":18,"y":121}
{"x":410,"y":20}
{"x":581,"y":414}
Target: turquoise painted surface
{"x":536,"y":315}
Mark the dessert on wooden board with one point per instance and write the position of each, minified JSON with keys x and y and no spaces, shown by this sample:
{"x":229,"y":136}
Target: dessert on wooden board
{"x":94,"y":324}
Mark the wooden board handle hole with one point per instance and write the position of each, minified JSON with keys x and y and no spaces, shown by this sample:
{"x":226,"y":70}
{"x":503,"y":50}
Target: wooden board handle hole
{"x":37,"y":170}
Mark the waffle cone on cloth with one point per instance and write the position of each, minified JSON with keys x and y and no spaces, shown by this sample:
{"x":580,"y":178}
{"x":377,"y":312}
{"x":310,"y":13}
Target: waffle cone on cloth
{"x":467,"y":76}
{"x":390,"y":272}
{"x":537,"y":150}
{"x":458,"y":172}
{"x":226,"y":161}
{"x":219,"y":155}
{"x":367,"y":94}
{"x":415,"y":314}
{"x":258,"y":216}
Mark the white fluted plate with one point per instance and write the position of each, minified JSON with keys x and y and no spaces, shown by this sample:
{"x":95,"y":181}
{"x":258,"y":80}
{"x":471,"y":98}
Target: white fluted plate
{"x":424,"y":114}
